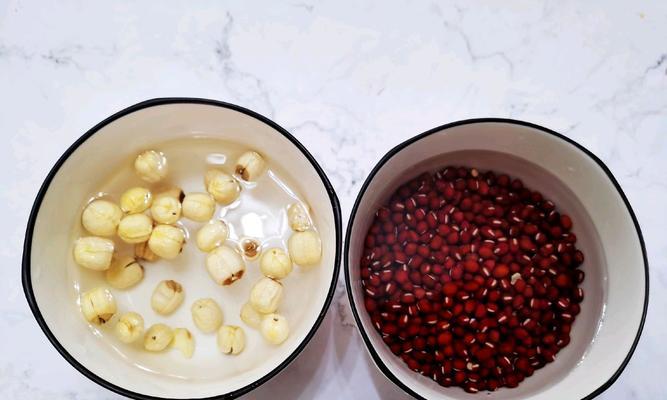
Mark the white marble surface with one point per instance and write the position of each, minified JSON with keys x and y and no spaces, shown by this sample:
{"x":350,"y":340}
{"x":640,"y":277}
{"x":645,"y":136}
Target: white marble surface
{"x":350,"y":80}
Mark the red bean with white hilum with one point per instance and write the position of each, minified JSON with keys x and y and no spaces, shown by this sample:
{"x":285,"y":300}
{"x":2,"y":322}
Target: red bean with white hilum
{"x":472,"y":278}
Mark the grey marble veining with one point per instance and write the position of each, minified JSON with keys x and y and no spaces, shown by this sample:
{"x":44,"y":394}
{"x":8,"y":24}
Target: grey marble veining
{"x":350,"y":80}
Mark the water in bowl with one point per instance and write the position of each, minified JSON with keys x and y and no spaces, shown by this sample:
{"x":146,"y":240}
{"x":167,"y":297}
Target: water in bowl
{"x":259,"y":212}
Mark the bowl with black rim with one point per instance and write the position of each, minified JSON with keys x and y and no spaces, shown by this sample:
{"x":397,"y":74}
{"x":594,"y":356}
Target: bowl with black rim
{"x":606,"y":331}
{"x":48,"y":266}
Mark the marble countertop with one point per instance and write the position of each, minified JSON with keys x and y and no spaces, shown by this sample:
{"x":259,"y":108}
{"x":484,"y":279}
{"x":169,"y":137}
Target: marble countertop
{"x":350,"y":80}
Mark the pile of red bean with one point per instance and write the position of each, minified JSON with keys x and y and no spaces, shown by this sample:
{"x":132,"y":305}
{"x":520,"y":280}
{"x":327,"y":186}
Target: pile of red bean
{"x":471,"y":278}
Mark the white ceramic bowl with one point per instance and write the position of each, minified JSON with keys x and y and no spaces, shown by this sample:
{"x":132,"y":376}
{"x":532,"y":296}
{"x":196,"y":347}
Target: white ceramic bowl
{"x":48,"y":266}
{"x":606,"y":332}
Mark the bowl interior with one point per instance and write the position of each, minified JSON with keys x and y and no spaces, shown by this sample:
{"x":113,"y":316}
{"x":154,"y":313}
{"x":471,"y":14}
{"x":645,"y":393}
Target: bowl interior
{"x":208,"y":373}
{"x":604,"y":332}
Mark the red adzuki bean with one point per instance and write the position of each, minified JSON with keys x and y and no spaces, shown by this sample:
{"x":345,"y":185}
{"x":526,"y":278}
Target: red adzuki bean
{"x":471,"y":278}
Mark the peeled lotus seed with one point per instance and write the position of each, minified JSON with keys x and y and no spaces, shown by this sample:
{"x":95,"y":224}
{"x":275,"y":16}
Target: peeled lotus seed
{"x":184,"y":342}
{"x":250,"y":248}
{"x":124,"y":272}
{"x":198,"y":206}
{"x":265,"y":295}
{"x":225,"y":265}
{"x":275,"y":263}
{"x":250,"y":316}
{"x":129,"y":327}
{"x":167,"y":296}
{"x":274,"y":328}
{"x":101,"y":217}
{"x":143,"y":252}
{"x":223,"y":187}
{"x":305,"y":248}
{"x":166,"y":241}
{"x":158,"y":337}
{"x":231,"y":339}
{"x":135,"y":228}
{"x":166,"y":209}
{"x":98,"y":305}
{"x":212,"y":235}
{"x":136,"y":200}
{"x":207,"y":315}
{"x":298,"y":217}
{"x":151,"y":166}
{"x":93,"y":252}
{"x":250,"y":166}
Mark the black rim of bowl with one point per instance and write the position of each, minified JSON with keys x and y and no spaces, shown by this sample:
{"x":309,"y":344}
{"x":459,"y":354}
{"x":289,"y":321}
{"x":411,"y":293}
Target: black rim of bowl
{"x":376,"y":358}
{"x":26,"y":277}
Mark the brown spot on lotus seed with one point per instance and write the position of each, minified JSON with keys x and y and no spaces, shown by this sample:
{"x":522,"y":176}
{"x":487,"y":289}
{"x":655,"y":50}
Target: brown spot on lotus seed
{"x":175,"y":286}
{"x":250,"y":248}
{"x":242,"y":172}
